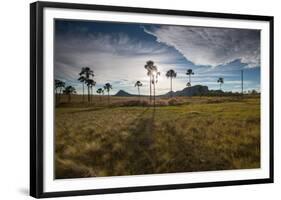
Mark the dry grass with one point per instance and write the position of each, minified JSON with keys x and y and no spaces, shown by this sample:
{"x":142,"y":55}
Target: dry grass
{"x":180,"y":135}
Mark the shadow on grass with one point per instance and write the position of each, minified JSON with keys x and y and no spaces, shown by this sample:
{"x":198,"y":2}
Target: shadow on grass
{"x":140,"y":142}
{"x":92,"y":109}
{"x":149,"y":143}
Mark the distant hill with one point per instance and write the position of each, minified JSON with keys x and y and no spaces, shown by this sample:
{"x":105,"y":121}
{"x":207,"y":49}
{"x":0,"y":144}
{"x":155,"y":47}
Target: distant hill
{"x":195,"y":90}
{"x":122,"y":93}
{"x":191,"y":91}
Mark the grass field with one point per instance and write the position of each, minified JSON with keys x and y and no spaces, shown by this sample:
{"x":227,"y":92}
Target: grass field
{"x":180,"y":135}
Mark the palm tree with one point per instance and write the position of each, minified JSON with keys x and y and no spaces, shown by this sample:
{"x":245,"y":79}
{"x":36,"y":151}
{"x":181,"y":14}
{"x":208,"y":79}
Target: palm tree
{"x":189,"y":72}
{"x":107,"y":87}
{"x":155,"y":73}
{"x":149,"y":66}
{"x":87,"y":72}
{"x":138,"y":84}
{"x":100,"y":91}
{"x":220,"y":81}
{"x":90,"y":83}
{"x":82,"y":79}
{"x":242,"y":81}
{"x":68,"y":91}
{"x":171,"y":74}
{"x":59,"y":85}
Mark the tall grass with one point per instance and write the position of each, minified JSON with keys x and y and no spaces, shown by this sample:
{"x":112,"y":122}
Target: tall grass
{"x":192,"y":134}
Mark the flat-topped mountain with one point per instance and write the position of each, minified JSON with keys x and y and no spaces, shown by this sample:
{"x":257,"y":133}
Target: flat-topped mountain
{"x":188,"y":91}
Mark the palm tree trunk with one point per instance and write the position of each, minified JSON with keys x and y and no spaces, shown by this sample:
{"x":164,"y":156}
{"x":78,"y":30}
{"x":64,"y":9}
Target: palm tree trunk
{"x":92,"y":94}
{"x":171,"y":88}
{"x":88,"y":93}
{"x":190,"y":79}
{"x":59,"y":95}
{"x":242,"y":82}
{"x":150,"y":88}
{"x":154,"y":93}
{"x":108,"y":97}
{"x":56,"y":93}
{"x":83,"y":91}
{"x":220,"y":90}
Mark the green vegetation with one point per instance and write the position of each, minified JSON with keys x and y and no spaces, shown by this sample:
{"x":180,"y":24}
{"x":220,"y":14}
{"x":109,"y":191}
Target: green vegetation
{"x":181,"y":134}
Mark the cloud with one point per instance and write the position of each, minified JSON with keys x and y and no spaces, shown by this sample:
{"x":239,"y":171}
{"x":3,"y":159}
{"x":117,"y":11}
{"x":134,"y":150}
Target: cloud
{"x":211,"y":46}
{"x":112,"y":57}
{"x":119,"y":57}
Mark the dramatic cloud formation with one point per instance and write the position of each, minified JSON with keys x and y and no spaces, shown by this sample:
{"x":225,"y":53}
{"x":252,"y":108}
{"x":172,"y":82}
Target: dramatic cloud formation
{"x":113,"y":57}
{"x":118,"y":52}
{"x":211,"y":46}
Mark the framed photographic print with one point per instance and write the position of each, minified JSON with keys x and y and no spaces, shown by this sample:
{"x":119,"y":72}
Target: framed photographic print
{"x":130,"y":99}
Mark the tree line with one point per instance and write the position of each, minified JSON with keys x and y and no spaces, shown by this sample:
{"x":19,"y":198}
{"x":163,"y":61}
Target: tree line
{"x":86,"y":77}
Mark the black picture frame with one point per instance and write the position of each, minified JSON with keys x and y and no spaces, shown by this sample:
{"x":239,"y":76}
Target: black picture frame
{"x":36,"y":98}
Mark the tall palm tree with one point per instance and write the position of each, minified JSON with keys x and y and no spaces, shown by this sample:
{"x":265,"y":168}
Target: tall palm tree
{"x":69,"y":90}
{"x":220,"y":81}
{"x":88,"y":73}
{"x":189,"y":72}
{"x":149,"y":66}
{"x":138,"y":84}
{"x":90,"y":83}
{"x":155,"y":73}
{"x":82,"y":79}
{"x":107,"y":87}
{"x":171,"y":74}
{"x":242,"y":81}
{"x":59,"y":85}
{"x":100,"y":91}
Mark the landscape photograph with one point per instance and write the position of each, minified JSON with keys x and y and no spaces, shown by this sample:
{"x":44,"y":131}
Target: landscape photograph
{"x":142,"y":99}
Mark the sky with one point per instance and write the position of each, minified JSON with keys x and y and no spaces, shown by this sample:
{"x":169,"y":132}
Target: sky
{"x":117,"y":53}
